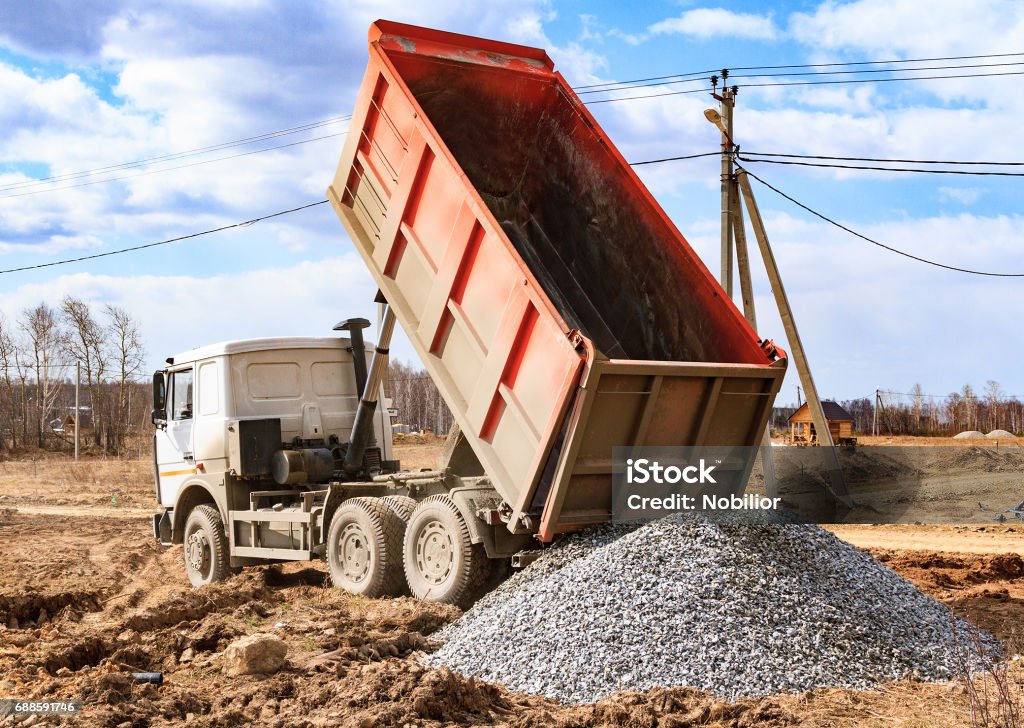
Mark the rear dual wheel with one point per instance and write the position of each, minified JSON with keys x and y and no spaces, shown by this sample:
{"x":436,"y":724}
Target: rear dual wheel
{"x":392,"y":545}
{"x":364,"y":548}
{"x":441,"y":562}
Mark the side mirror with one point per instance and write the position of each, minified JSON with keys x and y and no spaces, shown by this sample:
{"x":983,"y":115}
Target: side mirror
{"x":159,"y":398}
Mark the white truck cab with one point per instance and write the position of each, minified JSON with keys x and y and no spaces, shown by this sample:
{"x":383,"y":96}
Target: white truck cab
{"x":228,"y":414}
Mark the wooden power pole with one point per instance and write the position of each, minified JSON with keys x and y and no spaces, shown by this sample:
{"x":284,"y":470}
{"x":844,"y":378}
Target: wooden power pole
{"x":796,"y":347}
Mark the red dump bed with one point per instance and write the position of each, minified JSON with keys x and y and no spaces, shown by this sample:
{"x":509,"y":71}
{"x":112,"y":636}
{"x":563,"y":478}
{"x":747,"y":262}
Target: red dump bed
{"x":555,"y":305}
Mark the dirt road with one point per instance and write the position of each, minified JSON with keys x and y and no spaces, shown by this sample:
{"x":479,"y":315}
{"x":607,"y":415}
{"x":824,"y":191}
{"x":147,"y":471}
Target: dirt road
{"x":963,"y":539}
{"x":87,"y":597}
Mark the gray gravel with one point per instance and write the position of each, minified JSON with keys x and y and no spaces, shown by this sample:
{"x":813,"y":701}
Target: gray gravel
{"x":732,"y":608}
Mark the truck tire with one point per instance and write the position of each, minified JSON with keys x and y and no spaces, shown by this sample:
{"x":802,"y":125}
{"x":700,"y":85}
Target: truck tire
{"x":441,"y":562}
{"x":401,"y":504}
{"x":364,"y":548}
{"x":205,"y":546}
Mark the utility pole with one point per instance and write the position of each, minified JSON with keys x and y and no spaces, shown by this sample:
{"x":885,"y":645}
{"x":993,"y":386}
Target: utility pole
{"x":727,"y":101}
{"x":733,"y":228}
{"x":78,"y":409}
{"x":874,"y":415}
{"x":799,"y":401}
{"x":796,"y":347}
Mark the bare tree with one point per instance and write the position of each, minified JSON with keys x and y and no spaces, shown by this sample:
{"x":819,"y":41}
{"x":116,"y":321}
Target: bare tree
{"x":46,"y":341}
{"x":7,"y":361}
{"x":127,"y":355}
{"x":993,"y":396}
{"x":85,"y":344}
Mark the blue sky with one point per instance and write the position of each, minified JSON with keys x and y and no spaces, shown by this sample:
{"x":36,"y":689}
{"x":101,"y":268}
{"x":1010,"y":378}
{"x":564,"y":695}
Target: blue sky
{"x":93,"y":84}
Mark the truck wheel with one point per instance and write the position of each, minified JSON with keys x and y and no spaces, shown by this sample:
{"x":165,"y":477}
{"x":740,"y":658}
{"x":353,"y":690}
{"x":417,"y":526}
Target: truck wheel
{"x":364,"y":548}
{"x":441,"y":563}
{"x":206,"y":546}
{"x":401,"y":504}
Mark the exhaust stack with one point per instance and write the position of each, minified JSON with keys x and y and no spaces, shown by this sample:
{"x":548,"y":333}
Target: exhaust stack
{"x":362,"y":428}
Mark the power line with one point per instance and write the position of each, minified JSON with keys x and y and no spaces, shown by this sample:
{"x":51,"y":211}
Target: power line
{"x":647,"y":96}
{"x":674,"y":159}
{"x":875,"y":242}
{"x":702,"y":77}
{"x":682,"y":78}
{"x":710,"y":71}
{"x":870,"y":63}
{"x":608,"y":86}
{"x":883,"y":169}
{"x":170,"y":169}
{"x":875,"y":70}
{"x":882,"y":159}
{"x":937,"y":396}
{"x":883,"y":80}
{"x":178,"y":155}
{"x":244,"y":223}
{"x":811,"y":83}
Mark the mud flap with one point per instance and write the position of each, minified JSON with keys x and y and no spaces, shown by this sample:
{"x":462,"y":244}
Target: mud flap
{"x":162,"y":526}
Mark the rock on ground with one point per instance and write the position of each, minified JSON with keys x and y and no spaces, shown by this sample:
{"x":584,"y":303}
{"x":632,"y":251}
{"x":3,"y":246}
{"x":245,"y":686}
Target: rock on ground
{"x":255,"y":654}
{"x":733,"y":608}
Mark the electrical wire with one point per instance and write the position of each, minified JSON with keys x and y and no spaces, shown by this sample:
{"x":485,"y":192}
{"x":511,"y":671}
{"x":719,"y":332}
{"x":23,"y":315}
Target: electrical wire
{"x":875,"y":242}
{"x":884,"y":159}
{"x":674,"y":159}
{"x":169,"y":169}
{"x":875,"y":70}
{"x":647,"y":96}
{"x":871,"y":63}
{"x":811,"y":83}
{"x":607,"y":86}
{"x":182,"y":154}
{"x":682,"y":79}
{"x":882,"y":169}
{"x":253,"y":221}
{"x":883,"y":80}
{"x":244,"y":223}
{"x":610,"y":86}
{"x":710,"y":71}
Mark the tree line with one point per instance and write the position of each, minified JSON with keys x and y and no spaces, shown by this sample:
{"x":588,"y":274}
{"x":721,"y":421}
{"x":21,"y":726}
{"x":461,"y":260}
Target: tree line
{"x":917,"y":413}
{"x":39,"y":353}
{"x":420,"y":406}
{"x":416,"y":398}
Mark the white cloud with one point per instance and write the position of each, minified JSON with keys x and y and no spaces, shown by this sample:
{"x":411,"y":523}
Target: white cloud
{"x":180,"y":312}
{"x":707,"y":23}
{"x":943,"y":27}
{"x":962,"y":195}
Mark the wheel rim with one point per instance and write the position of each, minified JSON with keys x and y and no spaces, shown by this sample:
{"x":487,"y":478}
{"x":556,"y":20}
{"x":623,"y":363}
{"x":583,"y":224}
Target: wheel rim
{"x":354,"y":553}
{"x":435,"y":553}
{"x":198,"y":553}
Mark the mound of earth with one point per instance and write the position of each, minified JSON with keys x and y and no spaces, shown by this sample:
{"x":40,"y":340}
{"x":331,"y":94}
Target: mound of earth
{"x":1002,"y":434}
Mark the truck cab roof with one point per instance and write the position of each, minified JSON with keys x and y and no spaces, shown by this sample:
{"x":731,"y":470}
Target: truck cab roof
{"x":241,"y":346}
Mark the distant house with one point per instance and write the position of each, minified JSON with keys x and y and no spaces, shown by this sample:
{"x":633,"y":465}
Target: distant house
{"x":840,"y":425}
{"x":67,"y":422}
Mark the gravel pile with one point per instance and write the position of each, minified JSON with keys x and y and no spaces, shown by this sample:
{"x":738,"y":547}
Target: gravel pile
{"x":732,"y":608}
{"x":1001,"y":434}
{"x":968,"y":435}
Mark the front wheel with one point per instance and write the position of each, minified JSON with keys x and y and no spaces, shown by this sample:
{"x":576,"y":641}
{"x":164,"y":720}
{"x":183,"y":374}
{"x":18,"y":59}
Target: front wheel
{"x":206,"y":546}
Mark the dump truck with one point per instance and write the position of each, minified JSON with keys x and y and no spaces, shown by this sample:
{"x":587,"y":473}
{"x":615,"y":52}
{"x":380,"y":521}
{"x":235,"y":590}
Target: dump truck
{"x":554,"y":304}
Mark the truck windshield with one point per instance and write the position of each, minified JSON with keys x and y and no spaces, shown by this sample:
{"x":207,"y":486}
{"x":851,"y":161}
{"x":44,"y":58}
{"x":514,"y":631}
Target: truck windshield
{"x":181,"y":395}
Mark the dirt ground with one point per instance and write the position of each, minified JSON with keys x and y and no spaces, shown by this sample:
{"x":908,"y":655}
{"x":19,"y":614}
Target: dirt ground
{"x":87,"y":597}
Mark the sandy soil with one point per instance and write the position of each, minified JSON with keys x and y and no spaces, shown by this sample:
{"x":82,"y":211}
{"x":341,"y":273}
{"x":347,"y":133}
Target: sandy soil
{"x":87,"y":597}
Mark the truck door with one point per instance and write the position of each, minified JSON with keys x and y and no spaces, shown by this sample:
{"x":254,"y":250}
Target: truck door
{"x":174,"y":456}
